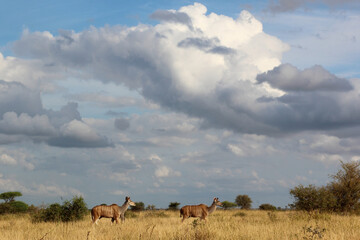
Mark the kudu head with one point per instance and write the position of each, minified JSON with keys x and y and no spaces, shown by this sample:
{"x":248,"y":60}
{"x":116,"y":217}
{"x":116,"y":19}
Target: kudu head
{"x":217,"y":202}
{"x":128,"y":200}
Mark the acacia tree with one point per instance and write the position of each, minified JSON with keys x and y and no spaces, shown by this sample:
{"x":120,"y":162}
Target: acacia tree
{"x":174,"y":206}
{"x":346,"y":187}
{"x":227,"y":205}
{"x":9,"y":196}
{"x":243,"y":201}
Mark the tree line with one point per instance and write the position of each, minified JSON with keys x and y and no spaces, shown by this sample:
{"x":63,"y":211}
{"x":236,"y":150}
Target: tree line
{"x":341,"y":194}
{"x":70,"y":210}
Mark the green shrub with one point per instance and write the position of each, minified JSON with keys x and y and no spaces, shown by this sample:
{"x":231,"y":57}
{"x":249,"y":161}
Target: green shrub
{"x":52,"y":213}
{"x":4,"y":208}
{"x":139,"y":206}
{"x":340,"y":195}
{"x":312,"y":198}
{"x":150,"y":207}
{"x":73,"y":210}
{"x":267,"y":207}
{"x":18,"y":207}
{"x":13,"y":207}
{"x":227,"y":205}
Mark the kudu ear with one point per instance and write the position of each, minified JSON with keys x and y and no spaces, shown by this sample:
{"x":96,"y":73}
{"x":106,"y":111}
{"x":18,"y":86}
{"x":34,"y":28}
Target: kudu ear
{"x":127,"y":198}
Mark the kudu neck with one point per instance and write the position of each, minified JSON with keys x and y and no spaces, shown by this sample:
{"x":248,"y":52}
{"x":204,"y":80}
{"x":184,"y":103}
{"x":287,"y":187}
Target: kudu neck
{"x":212,"y":208}
{"x":125,"y":206}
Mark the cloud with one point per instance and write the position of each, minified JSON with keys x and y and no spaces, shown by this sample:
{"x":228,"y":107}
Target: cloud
{"x":291,"y":5}
{"x":118,"y":192}
{"x":31,"y":73}
{"x":164,"y":171}
{"x":16,"y":158}
{"x":172,"y":16}
{"x":193,"y":157}
{"x":170,"y":141}
{"x":200,"y":185}
{"x":24,"y":124}
{"x":210,"y":72}
{"x":7,"y":160}
{"x":159,"y":62}
{"x":65,"y":115}
{"x":15,"y":97}
{"x":207,"y":45}
{"x":236,"y":150}
{"x":22,"y":114}
{"x":7,"y":184}
{"x":154,"y":158}
{"x":78,"y":134}
{"x":288,"y":78}
{"x":104,"y":100}
{"x":122,"y":123}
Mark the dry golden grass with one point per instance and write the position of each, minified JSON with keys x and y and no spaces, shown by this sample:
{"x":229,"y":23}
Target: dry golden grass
{"x":236,"y":224}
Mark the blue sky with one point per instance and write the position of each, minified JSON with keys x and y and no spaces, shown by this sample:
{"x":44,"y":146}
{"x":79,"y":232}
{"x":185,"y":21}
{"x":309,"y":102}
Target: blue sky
{"x":176,"y":100}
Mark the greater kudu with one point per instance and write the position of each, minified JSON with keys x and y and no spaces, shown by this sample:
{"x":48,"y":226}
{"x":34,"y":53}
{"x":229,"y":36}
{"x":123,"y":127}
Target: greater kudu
{"x":113,"y":211}
{"x":200,"y":210}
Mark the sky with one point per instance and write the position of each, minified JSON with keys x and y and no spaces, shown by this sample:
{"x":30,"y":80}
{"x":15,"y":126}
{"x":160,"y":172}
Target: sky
{"x":180,"y":101}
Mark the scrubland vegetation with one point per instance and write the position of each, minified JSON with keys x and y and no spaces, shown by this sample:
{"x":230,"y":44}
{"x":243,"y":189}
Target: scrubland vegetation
{"x":161,"y":224}
{"x":326,"y":212}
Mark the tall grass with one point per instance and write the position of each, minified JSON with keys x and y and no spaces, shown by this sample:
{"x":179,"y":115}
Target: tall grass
{"x":234,"y":224}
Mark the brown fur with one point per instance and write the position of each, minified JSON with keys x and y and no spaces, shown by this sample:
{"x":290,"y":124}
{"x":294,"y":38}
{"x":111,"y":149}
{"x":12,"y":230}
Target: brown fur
{"x":201,"y":210}
{"x":112,"y":211}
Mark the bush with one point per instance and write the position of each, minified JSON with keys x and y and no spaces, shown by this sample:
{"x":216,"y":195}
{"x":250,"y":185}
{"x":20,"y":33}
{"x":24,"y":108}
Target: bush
{"x":18,"y":207}
{"x":340,"y":195}
{"x":150,"y":207}
{"x":345,"y":187}
{"x":53,"y":213}
{"x":4,"y":208}
{"x":139,"y":206}
{"x":32,"y":209}
{"x":13,"y":207}
{"x":73,"y":210}
{"x":243,"y":201}
{"x":312,"y":198}
{"x":267,"y":206}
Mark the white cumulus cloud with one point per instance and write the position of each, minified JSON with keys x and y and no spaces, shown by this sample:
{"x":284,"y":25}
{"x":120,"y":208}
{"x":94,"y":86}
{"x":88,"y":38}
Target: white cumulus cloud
{"x":164,"y":171}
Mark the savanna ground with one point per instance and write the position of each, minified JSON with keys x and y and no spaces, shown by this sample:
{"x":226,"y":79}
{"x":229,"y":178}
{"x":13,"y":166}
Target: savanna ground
{"x":234,"y":224}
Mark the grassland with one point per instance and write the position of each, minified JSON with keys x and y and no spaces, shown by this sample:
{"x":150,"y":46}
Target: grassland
{"x":235,"y":224}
